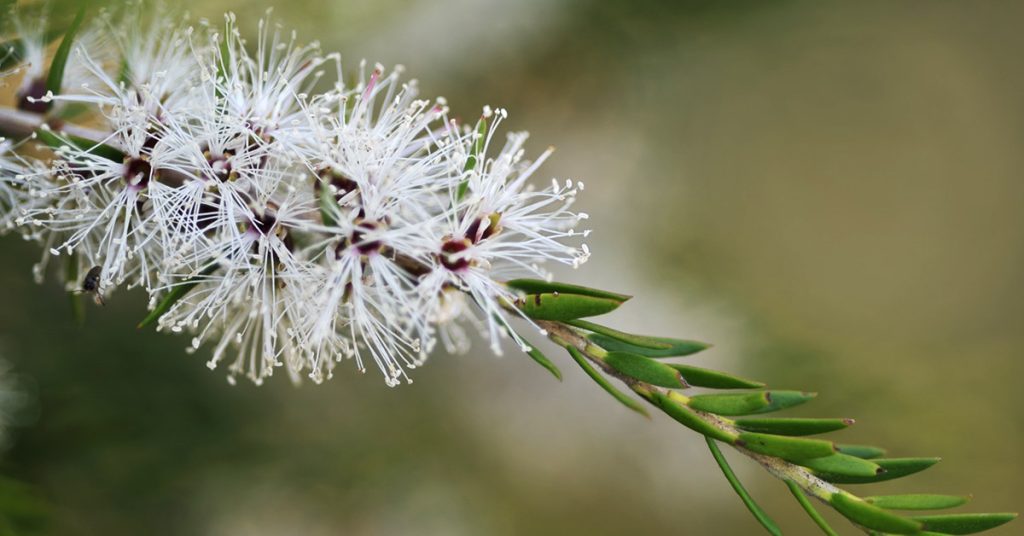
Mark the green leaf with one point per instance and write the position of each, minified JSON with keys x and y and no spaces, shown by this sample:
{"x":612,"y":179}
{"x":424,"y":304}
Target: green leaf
{"x":759,"y":513}
{"x":685,"y":416}
{"x":867,"y":452}
{"x":51,"y":139}
{"x":731,"y":404}
{"x":676,"y":347}
{"x":646,"y":370}
{"x":843,"y":464}
{"x":917,"y":501}
{"x":475,"y":155}
{"x":793,"y":426}
{"x":564,"y":307}
{"x":809,"y":508}
{"x":328,"y":205}
{"x":794,"y":449}
{"x":964,"y":523}
{"x":871,"y":516}
{"x":894,"y":468}
{"x":539,"y":286}
{"x":636,"y":340}
{"x":60,"y":59}
{"x":713,"y":379}
{"x":71,"y":274}
{"x":176,"y":293}
{"x":543,"y":361}
{"x":603,"y":382}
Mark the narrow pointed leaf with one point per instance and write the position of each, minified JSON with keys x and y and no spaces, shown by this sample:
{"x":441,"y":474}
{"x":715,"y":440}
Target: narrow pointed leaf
{"x":809,"y":508}
{"x":713,"y":379}
{"x":919,"y":501}
{"x":538,"y":286}
{"x":543,"y":361}
{"x":871,"y":516}
{"x":475,"y":155}
{"x":565,"y":307}
{"x":176,"y":293}
{"x":51,"y":139}
{"x":603,"y":382}
{"x":328,"y":206}
{"x":793,"y":426}
{"x":77,"y":304}
{"x":636,"y":340}
{"x":55,"y":78}
{"x":749,"y":403}
{"x":867,"y":452}
{"x":758,"y":512}
{"x":675,"y":347}
{"x":685,"y":416}
{"x":646,"y":370}
{"x":894,"y":468}
{"x":964,"y":523}
{"x":843,"y":464}
{"x":795,"y":449}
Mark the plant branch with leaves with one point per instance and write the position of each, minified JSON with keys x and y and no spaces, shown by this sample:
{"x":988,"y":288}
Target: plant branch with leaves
{"x":291,"y":228}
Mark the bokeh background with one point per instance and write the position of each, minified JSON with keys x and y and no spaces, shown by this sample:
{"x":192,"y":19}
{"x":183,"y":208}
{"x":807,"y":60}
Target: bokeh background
{"x":830,"y":192}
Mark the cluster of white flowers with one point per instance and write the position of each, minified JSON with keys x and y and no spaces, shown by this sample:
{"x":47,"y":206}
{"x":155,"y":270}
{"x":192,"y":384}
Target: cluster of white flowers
{"x":313,"y":217}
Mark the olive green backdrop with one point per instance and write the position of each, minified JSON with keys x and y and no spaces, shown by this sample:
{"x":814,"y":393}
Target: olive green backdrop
{"x":829,"y":191}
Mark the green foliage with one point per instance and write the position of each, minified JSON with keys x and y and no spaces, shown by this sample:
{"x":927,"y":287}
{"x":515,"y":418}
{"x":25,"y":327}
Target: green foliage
{"x":792,"y":426}
{"x":917,"y":501}
{"x":564,"y":307}
{"x":759,"y":514}
{"x":605,"y":384}
{"x":675,"y":347}
{"x":872,"y":517}
{"x":808,"y":466}
{"x":645,"y":370}
{"x":176,"y":293}
{"x":55,"y":78}
{"x":713,"y":379}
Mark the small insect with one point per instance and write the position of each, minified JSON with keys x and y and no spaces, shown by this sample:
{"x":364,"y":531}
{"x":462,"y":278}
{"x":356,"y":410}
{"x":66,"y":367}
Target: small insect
{"x":91,"y":284}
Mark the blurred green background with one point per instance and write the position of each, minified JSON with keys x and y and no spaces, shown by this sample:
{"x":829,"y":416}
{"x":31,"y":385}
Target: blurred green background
{"x":829,"y":191}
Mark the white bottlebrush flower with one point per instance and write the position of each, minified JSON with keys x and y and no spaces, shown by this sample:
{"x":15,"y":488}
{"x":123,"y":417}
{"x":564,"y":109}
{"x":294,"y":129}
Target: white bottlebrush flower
{"x":382,"y":168}
{"x":266,"y":87}
{"x":101,"y":209}
{"x":251,"y":290}
{"x":358,"y":223}
{"x":499,"y":228}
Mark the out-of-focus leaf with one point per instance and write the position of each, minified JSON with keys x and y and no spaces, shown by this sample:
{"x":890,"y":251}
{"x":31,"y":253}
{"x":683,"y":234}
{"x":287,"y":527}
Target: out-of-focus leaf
{"x":539,"y":286}
{"x":809,"y":508}
{"x":55,"y":78}
{"x":176,"y":293}
{"x":759,"y":513}
{"x":963,"y":523}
